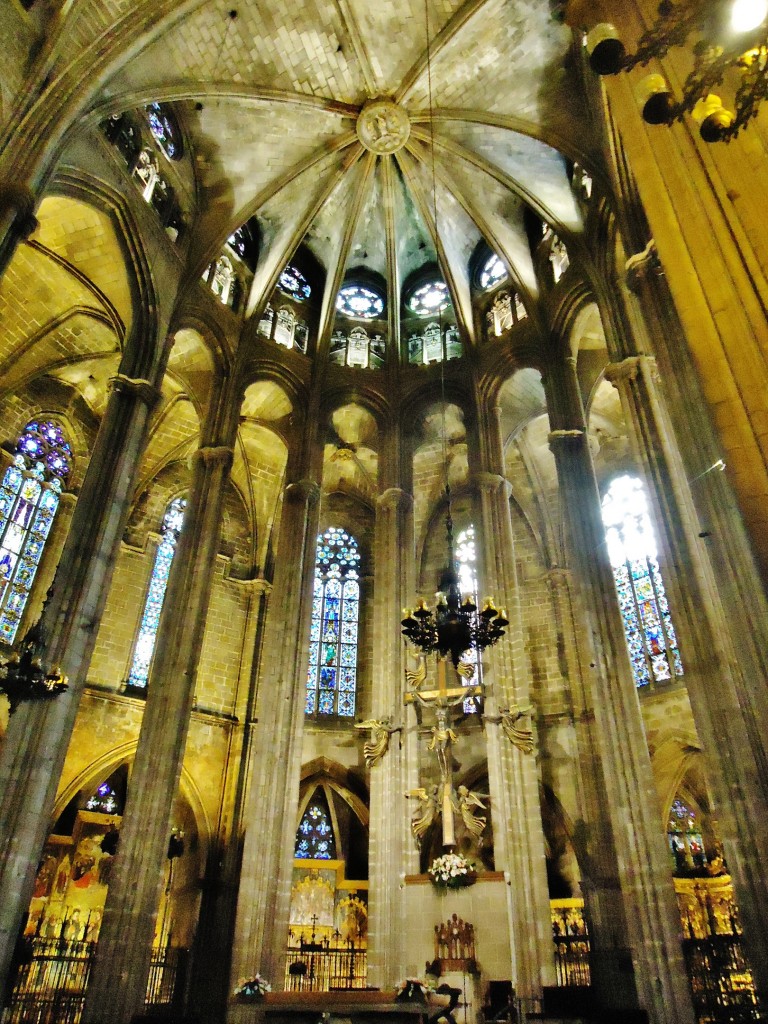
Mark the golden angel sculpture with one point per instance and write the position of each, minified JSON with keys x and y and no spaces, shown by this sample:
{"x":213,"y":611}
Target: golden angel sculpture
{"x":425,"y":812}
{"x":468,"y":800}
{"x":376,"y":746}
{"x":518,"y":731}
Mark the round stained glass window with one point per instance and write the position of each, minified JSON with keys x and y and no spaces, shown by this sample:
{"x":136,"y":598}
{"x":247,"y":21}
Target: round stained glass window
{"x":45,"y":441}
{"x":293,"y":283}
{"x":429,"y":298}
{"x":492,"y":273}
{"x":165,"y":130}
{"x":359,"y":302}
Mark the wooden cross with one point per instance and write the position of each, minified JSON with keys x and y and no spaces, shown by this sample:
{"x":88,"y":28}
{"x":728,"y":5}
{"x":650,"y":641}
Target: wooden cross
{"x":441,"y":701}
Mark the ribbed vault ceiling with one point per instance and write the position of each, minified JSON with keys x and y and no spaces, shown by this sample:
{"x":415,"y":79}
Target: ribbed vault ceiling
{"x":281,"y":88}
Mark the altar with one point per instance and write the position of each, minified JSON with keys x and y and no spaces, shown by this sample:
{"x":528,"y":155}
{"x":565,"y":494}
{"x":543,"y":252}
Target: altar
{"x":360,"y":1006}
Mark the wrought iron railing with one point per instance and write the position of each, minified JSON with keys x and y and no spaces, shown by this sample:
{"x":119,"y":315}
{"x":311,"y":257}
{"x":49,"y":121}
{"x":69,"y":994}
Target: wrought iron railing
{"x":49,"y":987}
{"x":721,"y":981}
{"x":324,"y":964}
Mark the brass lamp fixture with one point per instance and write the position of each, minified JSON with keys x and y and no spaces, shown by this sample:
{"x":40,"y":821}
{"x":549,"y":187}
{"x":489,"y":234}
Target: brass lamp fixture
{"x":23,"y":676}
{"x":730,"y":49}
{"x":455,"y":626}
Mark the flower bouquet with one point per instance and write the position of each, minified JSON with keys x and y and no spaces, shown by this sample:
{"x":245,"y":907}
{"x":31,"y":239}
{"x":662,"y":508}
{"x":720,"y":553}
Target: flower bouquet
{"x":452,"y":871}
{"x":252,"y":989}
{"x":413,"y":990}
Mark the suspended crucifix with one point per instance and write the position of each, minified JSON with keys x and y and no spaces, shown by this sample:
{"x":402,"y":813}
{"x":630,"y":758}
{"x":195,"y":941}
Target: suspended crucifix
{"x":441,"y":800}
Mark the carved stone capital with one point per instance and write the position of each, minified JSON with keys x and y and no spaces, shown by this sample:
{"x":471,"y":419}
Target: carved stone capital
{"x":565,"y":439}
{"x":261,"y":586}
{"x":641,"y":266}
{"x":628,"y":369}
{"x":135,"y":386}
{"x":17,"y":205}
{"x":212,"y":455}
{"x":491,"y":482}
{"x":558,"y":578}
{"x":395,"y":498}
{"x":302,"y":492}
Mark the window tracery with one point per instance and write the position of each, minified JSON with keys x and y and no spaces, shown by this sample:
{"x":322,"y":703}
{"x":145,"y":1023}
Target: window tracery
{"x":145,"y":642}
{"x":428,"y":347}
{"x":429,"y":298}
{"x":29,"y":498}
{"x":558,"y":257}
{"x":685,"y":839}
{"x":293,"y":283}
{"x":165,"y":130}
{"x":357,"y":348}
{"x":493,"y":272}
{"x":506,"y":311}
{"x":359,"y":302}
{"x":332,"y":672}
{"x":224,"y":280}
{"x":104,"y":801}
{"x":314,"y":837}
{"x":644,"y":608}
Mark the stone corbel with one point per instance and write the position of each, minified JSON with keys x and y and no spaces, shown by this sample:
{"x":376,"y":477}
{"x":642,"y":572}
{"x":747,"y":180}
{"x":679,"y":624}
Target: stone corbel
{"x":641,"y":266}
{"x":142,"y":389}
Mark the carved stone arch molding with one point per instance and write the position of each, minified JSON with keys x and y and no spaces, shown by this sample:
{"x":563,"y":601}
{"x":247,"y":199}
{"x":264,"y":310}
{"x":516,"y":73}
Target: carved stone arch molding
{"x":324,"y":772}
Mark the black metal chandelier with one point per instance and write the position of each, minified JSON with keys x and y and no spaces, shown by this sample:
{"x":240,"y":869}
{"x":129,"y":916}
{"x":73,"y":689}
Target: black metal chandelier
{"x":23,"y":676}
{"x":455,"y":626}
{"x":730,"y":49}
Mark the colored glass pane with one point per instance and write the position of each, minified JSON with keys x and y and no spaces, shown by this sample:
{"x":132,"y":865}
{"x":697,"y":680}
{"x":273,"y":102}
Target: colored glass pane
{"x":104,"y":801}
{"x":314,"y":837}
{"x":644,"y":608}
{"x":333,"y":630}
{"x":165,"y":130}
{"x":29,"y":498}
{"x":292,"y":282}
{"x":466,"y":557}
{"x":429,"y":298}
{"x":145,"y":642}
{"x":492,"y":273}
{"x":359,"y":302}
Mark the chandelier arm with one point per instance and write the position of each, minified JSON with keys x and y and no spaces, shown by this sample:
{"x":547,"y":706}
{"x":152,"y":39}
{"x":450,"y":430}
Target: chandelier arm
{"x":753,"y":89}
{"x":672,"y":29}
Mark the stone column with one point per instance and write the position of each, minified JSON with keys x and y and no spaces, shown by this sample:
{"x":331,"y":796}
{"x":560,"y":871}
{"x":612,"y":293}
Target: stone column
{"x":209,"y":984}
{"x":117,"y":986}
{"x":517,"y":826}
{"x":269,"y":819}
{"x":729,"y":709}
{"x":17,"y":221}
{"x":391,"y":849}
{"x":653,"y":921}
{"x":38,"y":735}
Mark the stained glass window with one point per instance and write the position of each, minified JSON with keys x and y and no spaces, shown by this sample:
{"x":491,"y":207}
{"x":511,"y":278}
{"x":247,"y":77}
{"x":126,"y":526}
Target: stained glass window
{"x":104,"y":800}
{"x":332,"y":672}
{"x":429,"y":298}
{"x":145,"y":643}
{"x":314,"y":836}
{"x":632,"y":550}
{"x":492,"y":273}
{"x":685,"y":839}
{"x":165,"y":130}
{"x":29,"y":497}
{"x":466,"y":557}
{"x":359,"y":302}
{"x":292,"y":282}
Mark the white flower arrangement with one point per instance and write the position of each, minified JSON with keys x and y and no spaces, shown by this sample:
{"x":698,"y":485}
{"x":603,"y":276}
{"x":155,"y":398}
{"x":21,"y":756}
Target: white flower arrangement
{"x":451,"y":871}
{"x":248,"y":989}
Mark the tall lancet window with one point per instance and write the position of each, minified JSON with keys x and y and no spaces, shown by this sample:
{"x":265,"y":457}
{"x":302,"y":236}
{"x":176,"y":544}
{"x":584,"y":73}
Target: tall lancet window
{"x":314,"y":836}
{"x":644,"y":608}
{"x":29,"y":497}
{"x":466,"y":557}
{"x":145,"y":642}
{"x":332,"y":674}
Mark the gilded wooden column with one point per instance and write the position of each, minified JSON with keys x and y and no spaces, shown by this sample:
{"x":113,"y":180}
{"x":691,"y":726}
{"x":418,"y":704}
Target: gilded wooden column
{"x":653,"y":923}
{"x":117,"y":986}
{"x":392,"y":850}
{"x":269,"y":817}
{"x":727,"y":695}
{"x":36,"y":743}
